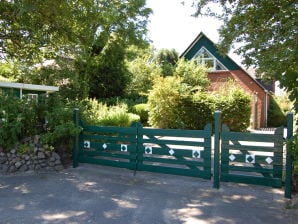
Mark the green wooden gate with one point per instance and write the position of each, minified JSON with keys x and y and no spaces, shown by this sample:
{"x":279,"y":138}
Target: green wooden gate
{"x":252,"y":158}
{"x":238,"y":157}
{"x":180,"y":152}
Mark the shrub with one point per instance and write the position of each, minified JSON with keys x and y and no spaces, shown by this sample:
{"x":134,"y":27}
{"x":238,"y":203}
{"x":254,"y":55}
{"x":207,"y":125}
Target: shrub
{"x":234,"y":104}
{"x":18,"y":119}
{"x":97,"y":113}
{"x":197,"y":110}
{"x":164,"y":101}
{"x":143,"y":111}
{"x":276,"y":114}
{"x":192,"y":74}
{"x":60,"y":127}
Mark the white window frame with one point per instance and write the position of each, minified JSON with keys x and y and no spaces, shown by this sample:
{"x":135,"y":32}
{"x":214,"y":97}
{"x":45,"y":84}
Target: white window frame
{"x":32,"y":96}
{"x":211,"y":58}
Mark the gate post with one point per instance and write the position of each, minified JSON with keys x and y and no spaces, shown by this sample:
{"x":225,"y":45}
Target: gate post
{"x":75,"y":151}
{"x":216,"y":165}
{"x":288,"y":181}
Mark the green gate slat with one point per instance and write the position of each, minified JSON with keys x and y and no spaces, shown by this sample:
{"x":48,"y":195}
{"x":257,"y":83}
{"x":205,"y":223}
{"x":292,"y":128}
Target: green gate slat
{"x":107,"y":154}
{"x":107,"y":129}
{"x":249,"y":137}
{"x":273,"y":182}
{"x":176,"y":133}
{"x":171,"y":170}
{"x":174,"y":142}
{"x":249,"y":169}
{"x":251,"y":148}
{"x":109,"y":138}
{"x":98,"y":161}
{"x":176,"y":161}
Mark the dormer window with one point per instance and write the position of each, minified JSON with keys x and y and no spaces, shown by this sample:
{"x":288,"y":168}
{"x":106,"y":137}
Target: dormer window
{"x":204,"y":57}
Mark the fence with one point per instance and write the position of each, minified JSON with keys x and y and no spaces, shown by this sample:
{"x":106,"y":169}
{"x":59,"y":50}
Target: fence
{"x":237,"y":157}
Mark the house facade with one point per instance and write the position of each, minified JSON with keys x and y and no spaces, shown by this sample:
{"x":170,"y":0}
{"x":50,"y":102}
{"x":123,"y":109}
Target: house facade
{"x":29,"y":90}
{"x":222,"y":69}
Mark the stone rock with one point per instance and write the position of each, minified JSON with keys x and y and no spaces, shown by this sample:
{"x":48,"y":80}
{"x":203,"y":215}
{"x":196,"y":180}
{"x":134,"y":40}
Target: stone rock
{"x":26,"y":157}
{"x":23,"y":168}
{"x":13,"y":151}
{"x":41,"y":155}
{"x":5,"y":168}
{"x":59,"y":168}
{"x":2,"y":160}
{"x":51,"y":164}
{"x":48,"y":154}
{"x":31,"y":167}
{"x":55,"y":155}
{"x":52,"y":159}
{"x":12,"y":169}
{"x":18,"y":164}
{"x":58,"y":162}
{"x":37,"y":167}
{"x":36,"y":139}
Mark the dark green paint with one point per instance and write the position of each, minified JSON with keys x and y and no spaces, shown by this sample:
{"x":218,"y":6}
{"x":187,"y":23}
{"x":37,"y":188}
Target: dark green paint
{"x":203,"y":41}
{"x":182,"y":162}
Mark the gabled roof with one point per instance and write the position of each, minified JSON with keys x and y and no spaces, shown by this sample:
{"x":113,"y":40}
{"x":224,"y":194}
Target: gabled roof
{"x":202,"y":41}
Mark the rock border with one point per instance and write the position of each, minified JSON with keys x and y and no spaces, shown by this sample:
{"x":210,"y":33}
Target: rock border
{"x":37,"y":159}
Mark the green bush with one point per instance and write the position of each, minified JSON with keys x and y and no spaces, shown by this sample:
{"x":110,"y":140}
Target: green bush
{"x":175,"y":104}
{"x":197,"y":110}
{"x":97,"y":113}
{"x":143,"y":111}
{"x":192,"y":74}
{"x":164,"y":102}
{"x":60,"y":127}
{"x":234,"y":104}
{"x":276,"y":116}
{"x":18,"y":119}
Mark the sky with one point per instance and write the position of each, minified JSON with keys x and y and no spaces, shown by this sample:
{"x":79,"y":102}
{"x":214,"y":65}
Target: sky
{"x":172,"y":26}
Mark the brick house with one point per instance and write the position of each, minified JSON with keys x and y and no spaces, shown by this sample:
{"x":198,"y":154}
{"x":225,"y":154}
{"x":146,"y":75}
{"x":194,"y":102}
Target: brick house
{"x":224,"y":68}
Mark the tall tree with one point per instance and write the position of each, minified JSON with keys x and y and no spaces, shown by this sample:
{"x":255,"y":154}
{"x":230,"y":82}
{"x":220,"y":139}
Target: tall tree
{"x":267,"y":32}
{"x":78,"y":30}
{"x":167,"y":59}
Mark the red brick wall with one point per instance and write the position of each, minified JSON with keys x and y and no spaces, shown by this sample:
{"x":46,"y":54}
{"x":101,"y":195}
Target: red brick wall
{"x":218,"y":78}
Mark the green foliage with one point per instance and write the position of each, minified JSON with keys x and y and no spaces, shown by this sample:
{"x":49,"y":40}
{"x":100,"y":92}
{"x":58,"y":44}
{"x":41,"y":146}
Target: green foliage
{"x":197,"y":110}
{"x":97,"y":113}
{"x":266,"y":32}
{"x":234,"y":104}
{"x":60,"y":127}
{"x":143,"y":111}
{"x":179,"y":101}
{"x":164,"y":103}
{"x":175,"y":104}
{"x":86,"y":42}
{"x":18,"y":119}
{"x":166,"y":59}
{"x":276,"y":116}
{"x":193,"y":75}
{"x":293,"y":147}
{"x":141,"y":72}
{"x":107,"y":72}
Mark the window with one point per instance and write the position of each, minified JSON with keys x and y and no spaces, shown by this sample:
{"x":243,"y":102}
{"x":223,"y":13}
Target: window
{"x":204,"y":57}
{"x":33,"y":97}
